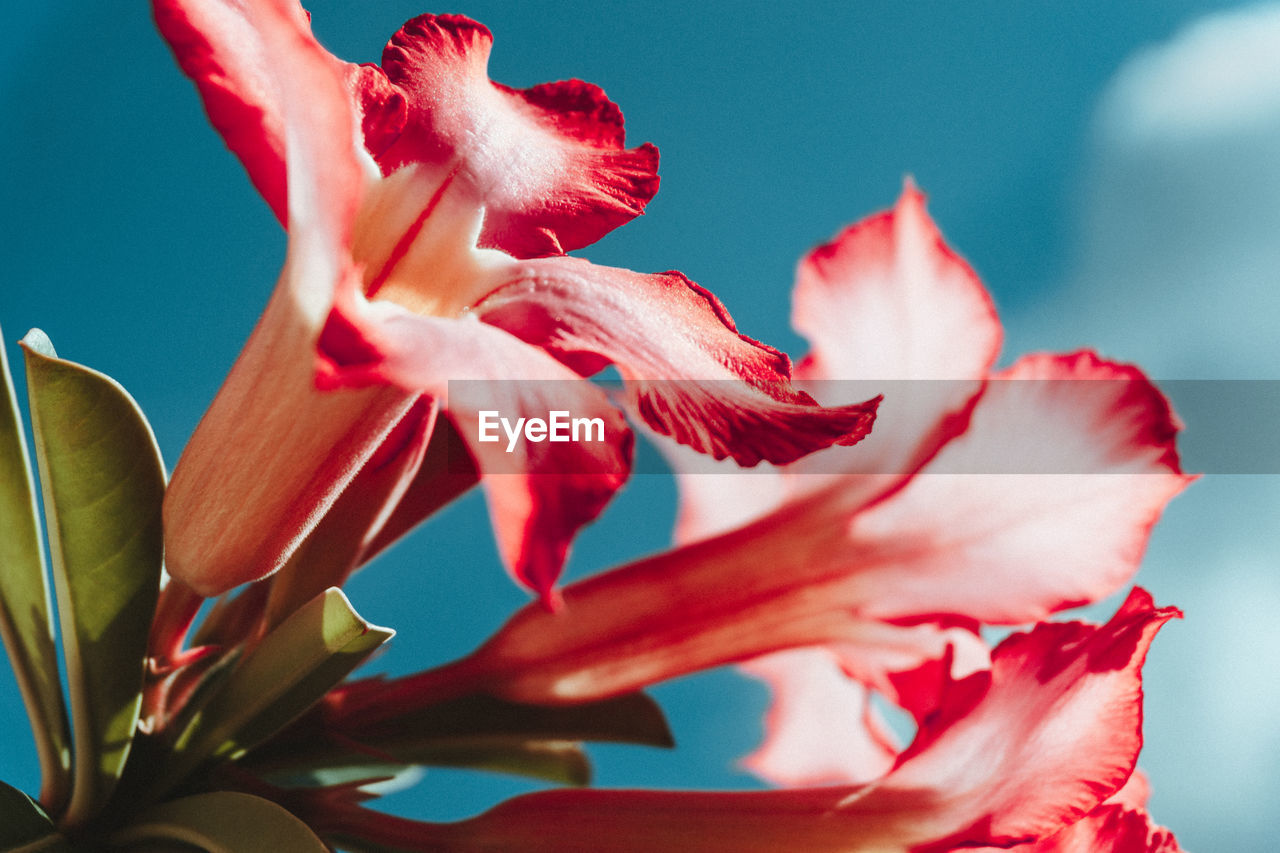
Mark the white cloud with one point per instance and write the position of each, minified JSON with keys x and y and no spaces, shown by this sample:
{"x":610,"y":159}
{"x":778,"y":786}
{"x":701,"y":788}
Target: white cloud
{"x":1178,"y":263}
{"x":1220,"y":74}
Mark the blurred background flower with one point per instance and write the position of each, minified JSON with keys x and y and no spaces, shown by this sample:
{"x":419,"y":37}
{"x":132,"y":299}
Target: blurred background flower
{"x":1110,"y":171}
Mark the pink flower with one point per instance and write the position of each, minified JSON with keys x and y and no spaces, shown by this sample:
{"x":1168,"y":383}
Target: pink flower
{"x":418,"y":197}
{"x":870,"y":564}
{"x":984,"y":497}
{"x":1022,"y":754}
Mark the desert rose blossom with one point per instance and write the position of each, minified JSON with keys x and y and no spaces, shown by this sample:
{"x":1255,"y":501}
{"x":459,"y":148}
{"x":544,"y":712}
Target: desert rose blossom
{"x":1084,"y":448}
{"x":1013,"y":755}
{"x":876,"y":565}
{"x":418,"y":196}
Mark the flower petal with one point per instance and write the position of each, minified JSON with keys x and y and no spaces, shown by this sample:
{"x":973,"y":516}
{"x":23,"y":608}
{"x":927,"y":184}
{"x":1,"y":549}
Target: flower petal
{"x":548,"y":162}
{"x":821,"y":728}
{"x":1088,"y":462}
{"x":715,"y":496}
{"x":540,"y":492}
{"x":777,"y":584}
{"x":917,"y":686}
{"x":296,"y":449}
{"x":690,"y":373}
{"x":1134,"y":794}
{"x":1110,"y":828}
{"x":383,"y":109}
{"x":176,"y":609}
{"x":333,"y":550}
{"x":1016,"y":755}
{"x":960,"y":545}
{"x":236,"y":53}
{"x":228,"y":521}
{"x":887,"y":304}
{"x":888,"y":308}
{"x":888,"y":299}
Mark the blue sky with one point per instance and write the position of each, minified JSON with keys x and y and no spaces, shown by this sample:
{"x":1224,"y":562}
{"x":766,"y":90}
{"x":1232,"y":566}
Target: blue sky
{"x":1106,"y":169}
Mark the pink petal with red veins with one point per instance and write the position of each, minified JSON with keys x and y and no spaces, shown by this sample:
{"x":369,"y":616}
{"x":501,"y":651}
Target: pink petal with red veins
{"x":782,"y":582}
{"x":713,"y":602}
{"x":1015,"y":755}
{"x":690,"y":374}
{"x":229,"y":520}
{"x":540,"y":492}
{"x":1087,"y":451}
{"x":888,"y":303}
{"x":1056,"y":732}
{"x":821,"y":728}
{"x":232,"y":521}
{"x":888,"y":299}
{"x":237,"y":54}
{"x":548,"y":163}
{"x":1110,"y":828}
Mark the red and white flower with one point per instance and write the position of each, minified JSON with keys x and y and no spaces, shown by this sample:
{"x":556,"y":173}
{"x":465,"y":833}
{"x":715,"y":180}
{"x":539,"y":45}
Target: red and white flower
{"x":420,"y":199}
{"x":876,"y":564}
{"x":984,"y":496}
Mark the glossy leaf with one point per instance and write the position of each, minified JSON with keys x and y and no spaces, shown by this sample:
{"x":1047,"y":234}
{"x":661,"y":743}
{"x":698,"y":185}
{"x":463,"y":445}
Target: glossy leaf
{"x":22,"y":821}
{"x":634,"y":718}
{"x":279,"y":679}
{"x":222,"y":822}
{"x":372,"y":776}
{"x":26,"y":617}
{"x":102,"y":480}
{"x":477,"y":731}
{"x":559,"y":762}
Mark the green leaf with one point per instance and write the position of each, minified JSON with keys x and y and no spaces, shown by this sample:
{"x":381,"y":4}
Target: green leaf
{"x":26,"y":617}
{"x":633,"y":718}
{"x":103,"y":481}
{"x":475,"y":731}
{"x":223,"y":822}
{"x":372,"y":777}
{"x":559,"y":762}
{"x":288,"y":672}
{"x":22,"y":821}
